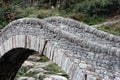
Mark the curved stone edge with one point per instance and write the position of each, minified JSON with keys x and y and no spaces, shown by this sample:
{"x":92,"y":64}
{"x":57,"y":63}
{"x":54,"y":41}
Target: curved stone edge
{"x":86,"y":27}
{"x":95,"y":47}
{"x":49,"y":50}
{"x":22,"y":20}
{"x":75,"y":68}
{"x":106,"y":24}
{"x":22,"y":41}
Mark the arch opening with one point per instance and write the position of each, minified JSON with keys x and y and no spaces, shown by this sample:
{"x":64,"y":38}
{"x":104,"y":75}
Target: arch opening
{"x":11,"y":61}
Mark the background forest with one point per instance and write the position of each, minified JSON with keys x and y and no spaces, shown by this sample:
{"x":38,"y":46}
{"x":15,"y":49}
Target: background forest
{"x":88,"y":11}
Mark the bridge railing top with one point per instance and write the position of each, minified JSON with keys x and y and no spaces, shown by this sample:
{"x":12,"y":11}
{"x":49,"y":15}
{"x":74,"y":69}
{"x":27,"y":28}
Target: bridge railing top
{"x":69,"y":36}
{"x":68,"y":21}
{"x":85,"y":27}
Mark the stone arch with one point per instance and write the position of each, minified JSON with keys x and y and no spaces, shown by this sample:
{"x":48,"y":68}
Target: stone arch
{"x":78,"y":56}
{"x":22,"y":46}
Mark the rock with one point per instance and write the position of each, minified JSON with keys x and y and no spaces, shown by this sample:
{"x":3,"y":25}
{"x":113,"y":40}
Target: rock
{"x":27,"y":64}
{"x":39,"y":75}
{"x":55,"y":77}
{"x":26,"y":78}
{"x":36,"y":70}
{"x":33,"y":58}
{"x":47,"y":79}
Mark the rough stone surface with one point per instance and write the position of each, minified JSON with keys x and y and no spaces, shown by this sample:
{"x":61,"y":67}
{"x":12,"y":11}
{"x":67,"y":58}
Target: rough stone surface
{"x":55,"y":77}
{"x":31,"y":69}
{"x":26,"y":78}
{"x":81,"y":51}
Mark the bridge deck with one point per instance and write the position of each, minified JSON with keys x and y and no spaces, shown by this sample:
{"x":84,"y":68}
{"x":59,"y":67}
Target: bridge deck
{"x":78,"y":49}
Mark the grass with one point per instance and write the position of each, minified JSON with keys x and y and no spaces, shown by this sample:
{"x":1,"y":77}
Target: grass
{"x":22,"y":72}
{"x":43,"y":59}
{"x":41,"y":13}
{"x":114,"y":29}
{"x":32,"y":74}
{"x":54,"y":69}
{"x":51,"y":68}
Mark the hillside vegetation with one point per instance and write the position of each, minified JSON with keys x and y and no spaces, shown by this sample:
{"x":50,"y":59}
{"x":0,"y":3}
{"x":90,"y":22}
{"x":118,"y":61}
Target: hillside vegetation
{"x":88,"y":11}
{"x":114,"y":29}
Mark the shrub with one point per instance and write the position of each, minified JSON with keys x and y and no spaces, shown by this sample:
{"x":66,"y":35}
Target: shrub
{"x":77,"y":16}
{"x":114,"y":29}
{"x":91,"y":7}
{"x":53,"y":68}
{"x":93,"y":20}
{"x":6,"y":14}
{"x":43,"y":59}
{"x":43,"y":13}
{"x":46,"y":13}
{"x":97,"y":7}
{"x":25,"y":12}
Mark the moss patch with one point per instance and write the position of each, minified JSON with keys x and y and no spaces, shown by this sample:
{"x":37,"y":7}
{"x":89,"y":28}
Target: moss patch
{"x":43,"y":59}
{"x":54,"y":69}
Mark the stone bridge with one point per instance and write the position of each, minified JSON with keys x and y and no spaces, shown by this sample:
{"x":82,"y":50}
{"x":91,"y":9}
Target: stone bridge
{"x":83,"y":52}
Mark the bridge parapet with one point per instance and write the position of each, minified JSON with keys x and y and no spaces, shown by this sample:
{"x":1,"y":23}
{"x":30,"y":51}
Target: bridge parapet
{"x":68,"y":43}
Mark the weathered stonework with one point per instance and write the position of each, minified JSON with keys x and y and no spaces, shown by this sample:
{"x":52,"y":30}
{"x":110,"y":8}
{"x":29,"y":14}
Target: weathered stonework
{"x":83,"y":52}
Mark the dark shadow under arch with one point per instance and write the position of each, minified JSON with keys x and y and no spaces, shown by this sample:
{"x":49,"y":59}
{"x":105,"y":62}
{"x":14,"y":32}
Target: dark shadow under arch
{"x":11,"y":61}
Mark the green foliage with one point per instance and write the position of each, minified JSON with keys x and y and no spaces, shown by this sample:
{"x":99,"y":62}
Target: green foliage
{"x":33,"y":12}
{"x":22,"y":72}
{"x":93,"y":20}
{"x":77,"y":16}
{"x":53,"y":68}
{"x":114,"y":29}
{"x":46,"y":13}
{"x":88,"y":11}
{"x":25,"y":12}
{"x":97,"y":7}
{"x":5,"y":11}
{"x":2,"y":24}
{"x":91,"y":8}
{"x":43,"y":59}
{"x":31,"y":74}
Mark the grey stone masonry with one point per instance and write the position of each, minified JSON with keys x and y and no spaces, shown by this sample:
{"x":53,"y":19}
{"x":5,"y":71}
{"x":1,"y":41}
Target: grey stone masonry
{"x":83,"y":52}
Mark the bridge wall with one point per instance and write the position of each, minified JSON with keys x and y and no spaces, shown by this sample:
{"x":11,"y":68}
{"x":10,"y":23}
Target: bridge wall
{"x":81,"y":58}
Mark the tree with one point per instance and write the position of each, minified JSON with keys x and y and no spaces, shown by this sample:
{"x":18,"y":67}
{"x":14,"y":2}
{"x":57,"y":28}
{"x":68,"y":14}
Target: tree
{"x":98,"y":7}
{"x":6,"y":11}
